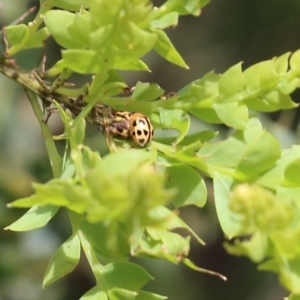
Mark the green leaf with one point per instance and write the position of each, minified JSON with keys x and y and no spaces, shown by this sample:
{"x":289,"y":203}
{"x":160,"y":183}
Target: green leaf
{"x":142,"y":295}
{"x":175,"y":119}
{"x":38,"y":39}
{"x":163,"y":244}
{"x":125,"y":275}
{"x":135,"y":65}
{"x":190,"y":186}
{"x":295,"y":60}
{"x":288,"y":86}
{"x":229,"y":221}
{"x":252,"y":75}
{"x":288,"y":194}
{"x":100,"y":38}
{"x":121,"y":37}
{"x":268,"y":76}
{"x":293,"y":297}
{"x":206,"y":114}
{"x":22,"y":37}
{"x":233,"y":114}
{"x":269,"y":265}
{"x":210,"y":83}
{"x":63,"y":261}
{"x":279,"y":100}
{"x":26,"y":202}
{"x":122,"y":294}
{"x":77,"y":132}
{"x":231,"y":82}
{"x":287,"y":240}
{"x":57,"y":22}
{"x":129,"y":160}
{"x":271,"y":101}
{"x":165,"y":48}
{"x":281,"y":64}
{"x":66,"y":116}
{"x":113,"y":88}
{"x":128,"y":193}
{"x":224,"y":154}
{"x":109,"y":244}
{"x":103,"y":12}
{"x":199,"y":92}
{"x":68,"y":169}
{"x":86,"y":61}
{"x":113,"y":77}
{"x":134,"y":44}
{"x":80,"y":28}
{"x":260,"y":154}
{"x":16,"y":34}
{"x":175,"y":245}
{"x":147,"y":91}
{"x":256,"y":248}
{"x":90,"y":159}
{"x":201,"y":136}
{"x":290,"y":275}
{"x":59,"y":193}
{"x":186,"y":154}
{"x":72,"y":5}
{"x":96,"y":293}
{"x":168,"y":220}
{"x":184,"y":7}
{"x":56,"y":69}
{"x":291,"y":173}
{"x":167,"y":20}
{"x":36,"y":217}
{"x":273,"y":177}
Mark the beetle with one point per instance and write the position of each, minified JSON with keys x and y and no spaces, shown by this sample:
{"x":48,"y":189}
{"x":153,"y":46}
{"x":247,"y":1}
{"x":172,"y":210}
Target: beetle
{"x":128,"y":125}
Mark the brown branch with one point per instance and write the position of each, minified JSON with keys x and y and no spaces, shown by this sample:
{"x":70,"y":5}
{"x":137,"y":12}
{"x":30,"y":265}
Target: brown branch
{"x":31,"y":81}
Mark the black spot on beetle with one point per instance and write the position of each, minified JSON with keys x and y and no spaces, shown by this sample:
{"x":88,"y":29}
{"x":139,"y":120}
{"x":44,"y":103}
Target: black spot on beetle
{"x":120,"y":129}
{"x":134,"y":123}
{"x":139,"y":132}
{"x":142,"y":141}
{"x":145,"y":132}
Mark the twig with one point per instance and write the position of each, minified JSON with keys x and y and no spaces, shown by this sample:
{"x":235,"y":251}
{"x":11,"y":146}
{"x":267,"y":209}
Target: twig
{"x":26,"y":14}
{"x":5,"y":42}
{"x":33,"y":84}
{"x":55,"y":159}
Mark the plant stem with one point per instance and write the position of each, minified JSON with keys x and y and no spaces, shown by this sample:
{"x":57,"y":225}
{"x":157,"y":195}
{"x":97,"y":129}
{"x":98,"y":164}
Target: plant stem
{"x":96,"y":267}
{"x":55,"y":159}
